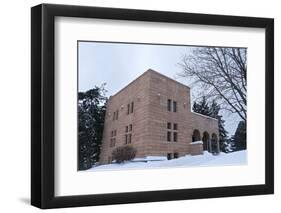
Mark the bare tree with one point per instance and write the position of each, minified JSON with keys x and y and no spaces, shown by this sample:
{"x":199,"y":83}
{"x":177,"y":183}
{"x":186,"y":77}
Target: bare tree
{"x":221,"y":73}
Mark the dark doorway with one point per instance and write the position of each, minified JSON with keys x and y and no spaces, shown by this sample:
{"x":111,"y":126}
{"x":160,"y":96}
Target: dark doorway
{"x":196,"y":135}
{"x":169,"y":156}
{"x":206,"y":141}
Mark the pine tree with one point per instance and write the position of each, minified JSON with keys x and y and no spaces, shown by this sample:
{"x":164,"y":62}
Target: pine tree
{"x":202,"y":107}
{"x":239,"y":138}
{"x":214,"y":111}
{"x":91,"y":114}
{"x":195,"y":107}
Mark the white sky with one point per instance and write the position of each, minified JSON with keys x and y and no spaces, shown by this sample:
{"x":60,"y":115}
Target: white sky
{"x":117,"y":64}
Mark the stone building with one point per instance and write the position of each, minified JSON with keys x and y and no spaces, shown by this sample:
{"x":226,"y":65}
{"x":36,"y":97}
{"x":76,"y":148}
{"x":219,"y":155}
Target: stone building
{"x":153,"y":114}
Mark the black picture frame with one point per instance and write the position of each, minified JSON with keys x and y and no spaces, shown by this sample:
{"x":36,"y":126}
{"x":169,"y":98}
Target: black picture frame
{"x":43,"y":117}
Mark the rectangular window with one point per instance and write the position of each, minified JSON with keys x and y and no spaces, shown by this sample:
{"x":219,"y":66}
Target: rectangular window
{"x":130,"y":138}
{"x":128,"y":134}
{"x":175,"y":136}
{"x":113,"y":139}
{"x":174,"y":106}
{"x":169,"y":125}
{"x":168,"y":136}
{"x":176,"y":155}
{"x":175,"y":126}
{"x":116,"y":116}
{"x":132,"y":107}
{"x":169,"y":104}
{"x":128,"y":109}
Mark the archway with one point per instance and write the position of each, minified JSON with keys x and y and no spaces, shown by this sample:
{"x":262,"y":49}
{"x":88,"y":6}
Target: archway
{"x":206,"y":141}
{"x":196,"y":135}
{"x":214,"y":143}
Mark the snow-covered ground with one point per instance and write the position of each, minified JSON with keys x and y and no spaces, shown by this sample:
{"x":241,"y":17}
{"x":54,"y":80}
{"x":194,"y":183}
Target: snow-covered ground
{"x":207,"y":159}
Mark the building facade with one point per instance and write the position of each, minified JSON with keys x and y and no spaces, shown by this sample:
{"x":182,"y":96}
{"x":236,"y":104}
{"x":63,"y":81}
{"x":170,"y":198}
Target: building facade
{"x":153,"y":114}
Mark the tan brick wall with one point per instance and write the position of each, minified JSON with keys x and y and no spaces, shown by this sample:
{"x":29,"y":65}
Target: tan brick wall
{"x":150,"y":93}
{"x":204,"y":123}
{"x":162,"y":89}
{"x":196,"y":149}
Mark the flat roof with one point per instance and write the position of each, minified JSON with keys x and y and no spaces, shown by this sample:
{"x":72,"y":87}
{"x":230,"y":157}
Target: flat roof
{"x":206,"y":116}
{"x":150,"y":71}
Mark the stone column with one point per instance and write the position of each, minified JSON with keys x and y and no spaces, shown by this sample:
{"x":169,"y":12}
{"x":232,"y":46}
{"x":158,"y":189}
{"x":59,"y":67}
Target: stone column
{"x":218,"y":145}
{"x":210,"y":145}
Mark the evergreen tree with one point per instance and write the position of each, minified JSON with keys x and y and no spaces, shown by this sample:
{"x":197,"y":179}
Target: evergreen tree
{"x":91,"y":114}
{"x":195,"y":107}
{"x":202,"y":107}
{"x":239,"y":138}
{"x":214,"y":111}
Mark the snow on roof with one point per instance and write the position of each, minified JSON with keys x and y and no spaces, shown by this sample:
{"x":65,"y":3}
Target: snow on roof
{"x":196,"y":142}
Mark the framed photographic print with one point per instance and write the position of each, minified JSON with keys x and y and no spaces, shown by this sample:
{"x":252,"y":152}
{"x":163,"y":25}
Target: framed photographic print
{"x":139,"y":106}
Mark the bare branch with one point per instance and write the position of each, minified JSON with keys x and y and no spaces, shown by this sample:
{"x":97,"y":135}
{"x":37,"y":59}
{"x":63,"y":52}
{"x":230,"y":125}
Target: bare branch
{"x":221,"y":74}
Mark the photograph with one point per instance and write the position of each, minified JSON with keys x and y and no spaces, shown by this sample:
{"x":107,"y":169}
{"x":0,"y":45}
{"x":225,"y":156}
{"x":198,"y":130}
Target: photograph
{"x":138,"y":105}
{"x":150,"y":106}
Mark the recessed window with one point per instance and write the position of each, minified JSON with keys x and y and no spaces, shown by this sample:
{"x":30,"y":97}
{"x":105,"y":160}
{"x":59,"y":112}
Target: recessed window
{"x":172,"y":132}
{"x":169,"y":104}
{"x":115,"y":115}
{"x":132,"y":107}
{"x":128,"y":109}
{"x":128,"y":134}
{"x":175,"y":136}
{"x":113,"y":138}
{"x":174,"y":106}
{"x":176,"y":155}
{"x":168,"y":136}
{"x":169,"y":125}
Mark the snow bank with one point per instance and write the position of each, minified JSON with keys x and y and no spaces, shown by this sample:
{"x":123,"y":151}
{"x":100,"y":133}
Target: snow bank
{"x":207,"y":159}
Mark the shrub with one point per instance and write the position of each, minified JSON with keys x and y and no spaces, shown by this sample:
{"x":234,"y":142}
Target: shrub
{"x":123,"y":153}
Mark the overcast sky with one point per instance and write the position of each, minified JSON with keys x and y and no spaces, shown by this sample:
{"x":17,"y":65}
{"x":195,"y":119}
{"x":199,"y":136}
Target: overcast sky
{"x":117,"y":64}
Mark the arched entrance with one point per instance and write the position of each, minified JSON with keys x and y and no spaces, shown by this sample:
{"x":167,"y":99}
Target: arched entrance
{"x":206,"y":141}
{"x":196,"y":135}
{"x":215,"y":144}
